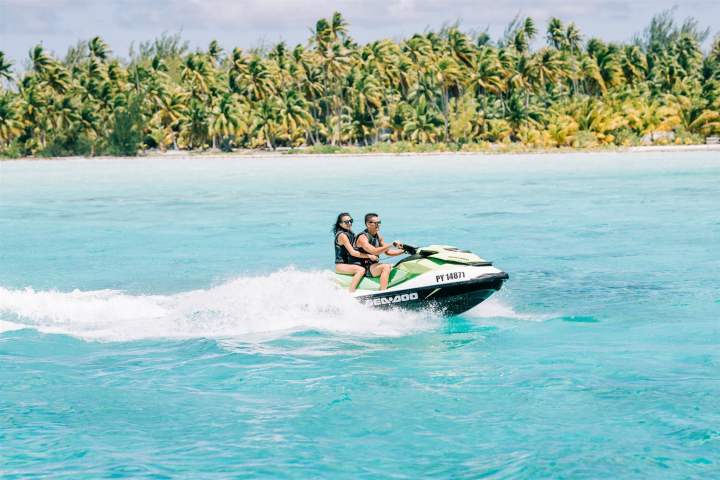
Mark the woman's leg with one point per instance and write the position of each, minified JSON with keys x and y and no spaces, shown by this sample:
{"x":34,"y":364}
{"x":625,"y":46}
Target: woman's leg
{"x":383,"y":271}
{"x":355,"y":270}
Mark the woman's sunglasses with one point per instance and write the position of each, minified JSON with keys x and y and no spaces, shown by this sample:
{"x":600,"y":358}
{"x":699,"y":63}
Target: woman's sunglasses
{"x":347,"y":222}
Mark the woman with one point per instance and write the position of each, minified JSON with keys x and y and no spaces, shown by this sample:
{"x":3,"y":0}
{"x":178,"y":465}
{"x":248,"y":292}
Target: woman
{"x":344,"y":250}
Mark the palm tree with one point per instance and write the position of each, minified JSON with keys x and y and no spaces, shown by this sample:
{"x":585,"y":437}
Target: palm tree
{"x":383,"y":57}
{"x":322,"y":35}
{"x":545,"y":67}
{"x":556,"y":34}
{"x":39,"y":59}
{"x":367,"y":96}
{"x":293,"y":115}
{"x":466,"y":123}
{"x":562,"y":130}
{"x":10,"y":123}
{"x":224,"y":119}
{"x":419,"y":51}
{"x":520,"y":33}
{"x":647,"y":117}
{"x":591,"y":75}
{"x":170,"y":109}
{"x":592,"y":115}
{"x":573,"y":38}
{"x":98,"y":49}
{"x":607,"y":58}
{"x":57,"y":78}
{"x":214,"y":52}
{"x":5,"y":68}
{"x":692,"y":114}
{"x":258,"y":80}
{"x":338,"y":27}
{"x":196,"y":128}
{"x":519,"y":113}
{"x":498,"y":130}
{"x":64,"y":114}
{"x":335,"y":63}
{"x":461,"y":47}
{"x":196,"y":74}
{"x":689,"y":55}
{"x":424,"y":125}
{"x":634,"y":64}
{"x":448,"y":76}
{"x":266,"y":122}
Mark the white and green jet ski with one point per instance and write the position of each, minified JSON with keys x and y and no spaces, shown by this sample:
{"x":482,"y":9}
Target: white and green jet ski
{"x":438,"y":277}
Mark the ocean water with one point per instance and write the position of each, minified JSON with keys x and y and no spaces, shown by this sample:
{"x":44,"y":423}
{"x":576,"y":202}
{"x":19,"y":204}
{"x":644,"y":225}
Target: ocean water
{"x":176,"y":318}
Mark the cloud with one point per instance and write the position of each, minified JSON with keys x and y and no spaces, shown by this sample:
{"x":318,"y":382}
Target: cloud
{"x":60,"y":23}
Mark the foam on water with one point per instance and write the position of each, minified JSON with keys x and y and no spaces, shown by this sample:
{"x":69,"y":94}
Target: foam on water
{"x":495,"y":307}
{"x":9,"y":326}
{"x":282,"y":302}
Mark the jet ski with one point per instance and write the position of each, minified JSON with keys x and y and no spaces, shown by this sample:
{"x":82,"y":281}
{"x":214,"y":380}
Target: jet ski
{"x":442,"y":278}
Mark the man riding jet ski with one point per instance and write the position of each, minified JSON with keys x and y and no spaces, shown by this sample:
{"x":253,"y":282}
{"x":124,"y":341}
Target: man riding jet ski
{"x":439,"y":277}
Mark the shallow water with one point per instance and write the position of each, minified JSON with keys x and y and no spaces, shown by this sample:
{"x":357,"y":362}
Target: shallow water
{"x":174,"y":318}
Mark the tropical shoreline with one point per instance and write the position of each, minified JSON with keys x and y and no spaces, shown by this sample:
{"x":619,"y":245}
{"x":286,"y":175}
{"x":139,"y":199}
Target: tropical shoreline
{"x":267,"y":154}
{"x":446,"y":90}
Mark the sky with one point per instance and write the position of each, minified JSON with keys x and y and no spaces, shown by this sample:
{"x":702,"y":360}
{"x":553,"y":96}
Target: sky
{"x":58,"y":24}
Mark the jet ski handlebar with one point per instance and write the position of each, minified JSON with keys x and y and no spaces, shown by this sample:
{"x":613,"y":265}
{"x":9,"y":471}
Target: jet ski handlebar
{"x":409,"y":249}
{"x":415,"y":250}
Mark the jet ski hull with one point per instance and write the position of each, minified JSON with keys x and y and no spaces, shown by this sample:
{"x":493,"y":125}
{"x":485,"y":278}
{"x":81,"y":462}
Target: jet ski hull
{"x":448,"y":299}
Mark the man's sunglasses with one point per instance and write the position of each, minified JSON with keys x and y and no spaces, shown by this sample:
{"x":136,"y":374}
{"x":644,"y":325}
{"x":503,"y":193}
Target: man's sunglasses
{"x":347,"y":222}
{"x":376,"y":223}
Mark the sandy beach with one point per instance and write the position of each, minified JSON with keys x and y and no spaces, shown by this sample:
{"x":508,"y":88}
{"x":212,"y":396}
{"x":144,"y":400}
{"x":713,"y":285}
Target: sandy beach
{"x":285,"y":153}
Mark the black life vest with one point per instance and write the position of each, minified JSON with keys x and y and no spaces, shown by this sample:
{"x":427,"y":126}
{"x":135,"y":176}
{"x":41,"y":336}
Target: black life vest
{"x":341,"y":253}
{"x":372,"y":240}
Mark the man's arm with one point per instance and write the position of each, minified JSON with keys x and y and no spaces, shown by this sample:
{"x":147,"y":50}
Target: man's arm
{"x":365,"y":245}
{"x":390,"y":252}
{"x":348,"y":246}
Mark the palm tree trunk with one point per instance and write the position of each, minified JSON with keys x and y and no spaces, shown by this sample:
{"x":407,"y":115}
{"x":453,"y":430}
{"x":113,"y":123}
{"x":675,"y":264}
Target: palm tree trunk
{"x":445,"y":112}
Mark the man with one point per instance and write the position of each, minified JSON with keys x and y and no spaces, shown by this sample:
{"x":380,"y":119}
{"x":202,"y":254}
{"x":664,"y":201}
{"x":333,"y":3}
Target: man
{"x":371,"y":242}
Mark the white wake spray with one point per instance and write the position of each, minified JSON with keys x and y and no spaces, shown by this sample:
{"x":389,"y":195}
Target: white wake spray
{"x":495,"y":307}
{"x":277,"y":304}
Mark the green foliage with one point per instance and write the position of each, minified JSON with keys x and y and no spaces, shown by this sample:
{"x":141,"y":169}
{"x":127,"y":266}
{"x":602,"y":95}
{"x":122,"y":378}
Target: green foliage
{"x":226,"y":144}
{"x":164,"y":47}
{"x":126,"y":134}
{"x":14,"y":150}
{"x":322,"y":149}
{"x":69,"y":144}
{"x":443,"y":90}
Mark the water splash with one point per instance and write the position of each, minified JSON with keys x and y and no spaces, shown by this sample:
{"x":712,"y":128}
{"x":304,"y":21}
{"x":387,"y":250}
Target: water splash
{"x":9,"y":326}
{"x":268,"y":306}
{"x":495,"y":307}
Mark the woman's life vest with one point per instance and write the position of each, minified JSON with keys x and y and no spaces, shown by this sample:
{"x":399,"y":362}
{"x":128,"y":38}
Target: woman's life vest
{"x":341,"y":253}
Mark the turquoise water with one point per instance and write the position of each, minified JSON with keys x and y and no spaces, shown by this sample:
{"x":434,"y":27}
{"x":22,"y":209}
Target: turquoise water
{"x":174,"y":318}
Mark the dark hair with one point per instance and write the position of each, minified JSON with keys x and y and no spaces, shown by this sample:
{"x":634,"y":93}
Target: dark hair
{"x":337,"y":226}
{"x":368,"y":216}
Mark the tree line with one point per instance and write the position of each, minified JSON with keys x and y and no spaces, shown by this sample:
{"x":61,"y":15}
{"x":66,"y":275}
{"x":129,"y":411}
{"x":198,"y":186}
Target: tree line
{"x":438,"y":87}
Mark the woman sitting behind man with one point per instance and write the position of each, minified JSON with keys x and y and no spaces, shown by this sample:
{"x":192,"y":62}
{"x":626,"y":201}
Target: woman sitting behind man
{"x":358,"y":261}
